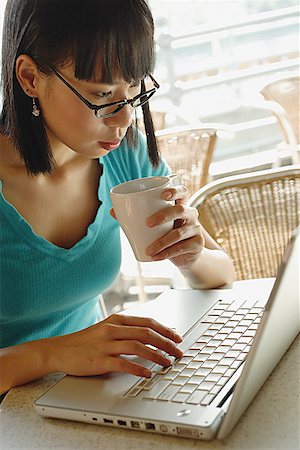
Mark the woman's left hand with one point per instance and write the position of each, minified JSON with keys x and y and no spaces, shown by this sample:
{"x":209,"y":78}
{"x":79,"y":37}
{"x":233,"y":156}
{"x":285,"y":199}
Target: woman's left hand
{"x":183,"y":245}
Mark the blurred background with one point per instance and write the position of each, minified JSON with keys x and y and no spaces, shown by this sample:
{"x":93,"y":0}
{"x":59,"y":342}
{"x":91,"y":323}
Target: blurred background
{"x":214,"y":58}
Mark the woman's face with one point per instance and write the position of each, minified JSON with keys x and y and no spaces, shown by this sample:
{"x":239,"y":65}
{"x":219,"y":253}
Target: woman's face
{"x":69,"y":122}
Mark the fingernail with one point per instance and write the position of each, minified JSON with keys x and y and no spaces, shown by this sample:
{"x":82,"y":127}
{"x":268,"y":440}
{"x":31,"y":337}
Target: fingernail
{"x":147,"y":373}
{"x":151,"y":222}
{"x":176,"y":335}
{"x":167,"y":195}
{"x":150,"y":250}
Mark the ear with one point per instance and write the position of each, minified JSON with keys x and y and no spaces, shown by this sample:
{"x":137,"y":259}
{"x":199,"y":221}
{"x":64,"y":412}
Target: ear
{"x":28,"y":75}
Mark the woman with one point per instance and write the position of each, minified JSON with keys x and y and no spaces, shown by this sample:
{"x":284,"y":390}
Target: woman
{"x":66,"y":139}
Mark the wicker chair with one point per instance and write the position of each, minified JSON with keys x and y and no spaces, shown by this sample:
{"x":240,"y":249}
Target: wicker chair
{"x":282,"y":98}
{"x":188,"y":151}
{"x":252,"y":217}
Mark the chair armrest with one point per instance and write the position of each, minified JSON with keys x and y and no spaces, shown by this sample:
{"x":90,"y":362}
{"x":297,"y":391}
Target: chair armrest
{"x":282,"y":118}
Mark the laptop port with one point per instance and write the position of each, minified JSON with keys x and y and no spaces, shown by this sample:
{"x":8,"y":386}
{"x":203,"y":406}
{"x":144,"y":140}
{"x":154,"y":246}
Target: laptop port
{"x":188,"y":432}
{"x":149,"y":426}
{"x":108,"y":421}
{"x":123,"y":423}
{"x":135,"y":424}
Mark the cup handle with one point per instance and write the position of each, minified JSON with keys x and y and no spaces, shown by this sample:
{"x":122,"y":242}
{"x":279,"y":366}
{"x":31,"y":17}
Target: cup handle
{"x":175,"y":179}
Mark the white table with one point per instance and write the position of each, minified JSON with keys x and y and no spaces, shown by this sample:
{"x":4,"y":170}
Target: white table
{"x":270,"y":423}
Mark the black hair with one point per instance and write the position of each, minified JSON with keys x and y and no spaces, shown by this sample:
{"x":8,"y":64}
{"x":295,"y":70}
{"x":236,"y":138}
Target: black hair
{"x":116,"y":35}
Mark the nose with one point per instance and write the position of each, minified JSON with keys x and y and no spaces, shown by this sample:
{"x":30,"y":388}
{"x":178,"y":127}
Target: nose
{"x":123,"y":119}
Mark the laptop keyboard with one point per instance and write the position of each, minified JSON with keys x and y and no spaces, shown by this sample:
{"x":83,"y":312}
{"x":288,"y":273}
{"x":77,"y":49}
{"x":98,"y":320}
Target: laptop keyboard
{"x":198,"y":376}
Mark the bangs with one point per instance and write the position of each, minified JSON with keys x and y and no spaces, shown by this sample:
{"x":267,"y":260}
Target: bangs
{"x":117,"y":45}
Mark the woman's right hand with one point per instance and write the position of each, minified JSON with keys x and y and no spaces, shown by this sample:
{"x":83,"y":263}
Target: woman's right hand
{"x":97,"y":350}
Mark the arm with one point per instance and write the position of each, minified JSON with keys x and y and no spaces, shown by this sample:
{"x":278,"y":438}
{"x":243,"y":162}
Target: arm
{"x":213,"y":268}
{"x":23,"y":363}
{"x":92,"y":351}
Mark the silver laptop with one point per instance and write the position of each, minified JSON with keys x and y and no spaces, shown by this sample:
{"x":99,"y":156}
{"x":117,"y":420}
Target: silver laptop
{"x":230,"y":347}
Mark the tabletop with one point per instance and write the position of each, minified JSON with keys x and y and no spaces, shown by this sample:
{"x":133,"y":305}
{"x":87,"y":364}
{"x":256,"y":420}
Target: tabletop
{"x":270,"y":423}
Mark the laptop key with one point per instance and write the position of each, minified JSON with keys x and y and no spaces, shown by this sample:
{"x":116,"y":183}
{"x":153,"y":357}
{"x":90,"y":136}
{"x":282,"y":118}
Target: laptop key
{"x":194,"y":365}
{"x":219,"y":370}
{"x":160,"y":369}
{"x":157,"y":389}
{"x":207,"y":350}
{"x":203,"y":371}
{"x":226,"y":361}
{"x":201,"y":357}
{"x":229,"y":372}
{"x":216,"y":357}
{"x":207,"y":399}
{"x":168,"y":393}
{"x":232,"y":354}
{"x":250,"y":333}
{"x":229,"y":342}
{"x":187,"y":372}
{"x":236,"y":364}
{"x":180,"y":381}
{"x":223,"y":349}
{"x":216,"y":326}
{"x":240,"y":328}
{"x":196,"y":379}
{"x":241,"y":356}
{"x":213,"y":377}
{"x":133,"y":392}
{"x":222,"y":381}
{"x":239,"y":347}
{"x":209,"y":332}
{"x":235,"y":335}
{"x":185,"y":360}
{"x":188,"y":388}
{"x":180,"y":398}
{"x":206,"y":385}
{"x":215,"y":390}
{"x":191,"y":352}
{"x":198,"y":346}
{"x":209,"y":364}
{"x":196,"y":397}
{"x":245,"y":340}
{"x":170,"y":376}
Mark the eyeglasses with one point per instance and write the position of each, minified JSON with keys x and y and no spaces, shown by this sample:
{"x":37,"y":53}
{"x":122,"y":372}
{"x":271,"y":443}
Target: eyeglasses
{"x":110,"y":109}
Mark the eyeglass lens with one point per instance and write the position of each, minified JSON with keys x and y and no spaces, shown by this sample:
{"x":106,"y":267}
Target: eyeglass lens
{"x":107,"y":111}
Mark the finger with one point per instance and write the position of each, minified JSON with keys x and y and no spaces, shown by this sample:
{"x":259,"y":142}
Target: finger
{"x":112,"y":213}
{"x":149,"y":323}
{"x":191,"y":246}
{"x":123,"y":365}
{"x":142,"y":334}
{"x":178,"y":211}
{"x":131,"y":347}
{"x":175,"y":193}
{"x":174,"y":236}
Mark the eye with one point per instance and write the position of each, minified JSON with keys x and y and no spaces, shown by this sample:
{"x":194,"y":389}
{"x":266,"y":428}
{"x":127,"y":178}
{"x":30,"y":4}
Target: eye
{"x":103,"y":94}
{"x":135,"y":84}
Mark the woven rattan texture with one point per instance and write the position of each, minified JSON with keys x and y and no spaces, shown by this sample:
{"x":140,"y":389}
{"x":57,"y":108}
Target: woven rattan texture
{"x":189,"y":154}
{"x":253,"y":223}
{"x":286,"y":92}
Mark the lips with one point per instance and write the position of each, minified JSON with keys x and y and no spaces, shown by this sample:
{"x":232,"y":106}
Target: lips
{"x":111,"y":145}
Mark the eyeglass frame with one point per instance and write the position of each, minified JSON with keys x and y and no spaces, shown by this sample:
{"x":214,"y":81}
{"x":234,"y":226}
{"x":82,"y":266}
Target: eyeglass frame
{"x":121,"y":103}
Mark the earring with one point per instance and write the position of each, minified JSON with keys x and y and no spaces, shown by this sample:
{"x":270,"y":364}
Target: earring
{"x":35,"y":110}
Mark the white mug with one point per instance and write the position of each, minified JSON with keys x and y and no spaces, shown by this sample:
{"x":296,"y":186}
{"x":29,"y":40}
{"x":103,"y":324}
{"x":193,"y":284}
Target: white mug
{"x":134,"y":201}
